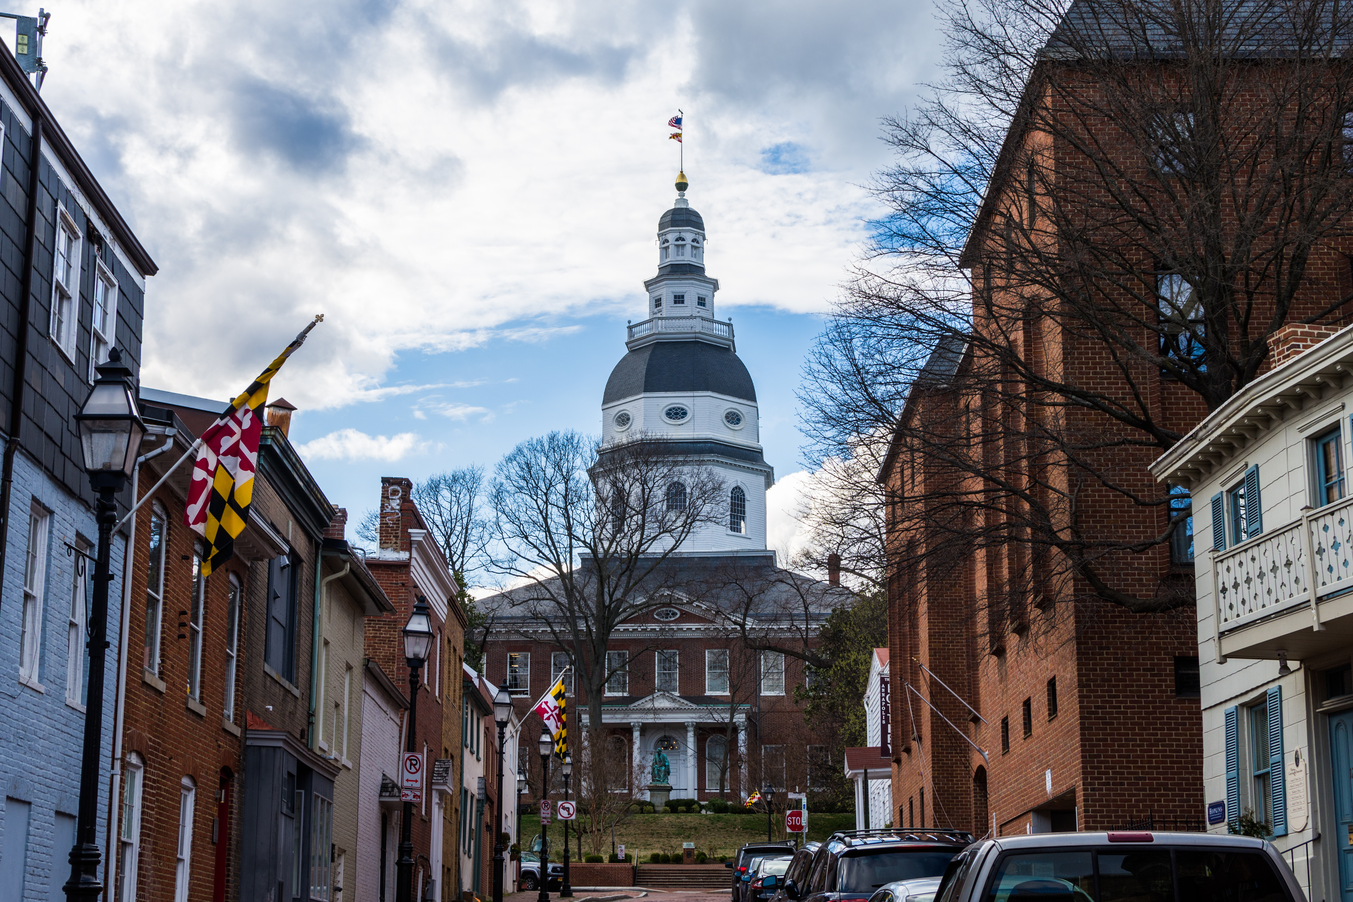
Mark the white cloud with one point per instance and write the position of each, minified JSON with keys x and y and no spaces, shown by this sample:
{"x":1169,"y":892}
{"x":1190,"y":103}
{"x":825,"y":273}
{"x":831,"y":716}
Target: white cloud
{"x":352,"y":445}
{"x":786,"y":502}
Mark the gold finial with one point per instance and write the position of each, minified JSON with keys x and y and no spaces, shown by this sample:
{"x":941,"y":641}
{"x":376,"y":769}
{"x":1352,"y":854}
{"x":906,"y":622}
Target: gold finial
{"x":681,"y":183}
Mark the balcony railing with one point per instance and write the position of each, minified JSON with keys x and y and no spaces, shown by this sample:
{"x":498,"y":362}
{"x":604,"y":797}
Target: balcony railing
{"x":1298,"y":564}
{"x":668,"y":324}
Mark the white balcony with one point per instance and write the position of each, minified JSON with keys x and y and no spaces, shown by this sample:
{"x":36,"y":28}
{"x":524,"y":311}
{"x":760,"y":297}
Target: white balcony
{"x":1287,"y":590}
{"x":675,"y":327}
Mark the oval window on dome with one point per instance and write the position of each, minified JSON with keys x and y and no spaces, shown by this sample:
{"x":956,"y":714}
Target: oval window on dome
{"x":666,"y":614}
{"x":676,"y":413}
{"x":733,"y":418}
{"x":623,"y":420}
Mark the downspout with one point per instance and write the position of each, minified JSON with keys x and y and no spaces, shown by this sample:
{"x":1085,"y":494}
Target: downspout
{"x":320,"y":584}
{"x":21,"y":355}
{"x":119,"y":711}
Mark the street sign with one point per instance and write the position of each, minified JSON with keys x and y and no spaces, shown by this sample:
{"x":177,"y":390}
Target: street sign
{"x":411,"y":778}
{"x":620,"y":852}
{"x":544,"y":811}
{"x":794,"y":820}
{"x":567,"y":810}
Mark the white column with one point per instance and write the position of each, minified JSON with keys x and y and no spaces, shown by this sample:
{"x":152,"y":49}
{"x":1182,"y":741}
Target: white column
{"x":636,"y":729}
{"x":690,"y":760}
{"x":741,"y":722}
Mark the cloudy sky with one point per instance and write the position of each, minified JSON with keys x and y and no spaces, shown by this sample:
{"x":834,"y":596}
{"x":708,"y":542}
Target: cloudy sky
{"x":469,"y":192}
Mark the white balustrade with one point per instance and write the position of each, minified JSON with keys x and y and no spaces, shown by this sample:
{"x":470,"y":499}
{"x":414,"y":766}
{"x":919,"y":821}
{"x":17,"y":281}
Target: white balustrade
{"x":670,"y":324}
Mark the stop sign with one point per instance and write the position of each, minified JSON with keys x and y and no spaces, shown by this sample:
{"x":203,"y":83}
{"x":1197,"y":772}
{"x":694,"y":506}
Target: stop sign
{"x":794,"y":820}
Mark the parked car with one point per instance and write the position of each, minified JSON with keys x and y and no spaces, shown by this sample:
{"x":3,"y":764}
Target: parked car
{"x":744,"y":855}
{"x":530,"y":873}
{"x":854,"y":864}
{"x":769,"y":871}
{"x":921,"y":890}
{"x":796,"y":874}
{"x":1125,"y":865}
{"x":742,"y":891}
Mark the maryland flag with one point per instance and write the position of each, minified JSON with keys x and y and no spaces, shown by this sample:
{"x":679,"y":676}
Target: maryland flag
{"x":553,"y":709}
{"x":752,"y":799}
{"x":222,"y":484}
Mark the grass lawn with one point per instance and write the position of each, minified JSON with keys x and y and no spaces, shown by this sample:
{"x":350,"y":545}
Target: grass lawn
{"x":717,"y":835}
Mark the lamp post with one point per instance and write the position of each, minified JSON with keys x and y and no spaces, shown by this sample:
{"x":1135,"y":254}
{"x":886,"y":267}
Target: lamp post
{"x":769,"y":826}
{"x":502,"y":714}
{"x":417,"y":644}
{"x":566,"y":891}
{"x":110,"y":435}
{"x":546,"y":746}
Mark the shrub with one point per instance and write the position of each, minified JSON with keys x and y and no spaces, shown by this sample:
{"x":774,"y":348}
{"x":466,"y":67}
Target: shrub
{"x":701,"y":858}
{"x":657,"y":858}
{"x":678,"y":858}
{"x":594,"y":859}
{"x":718,"y":806}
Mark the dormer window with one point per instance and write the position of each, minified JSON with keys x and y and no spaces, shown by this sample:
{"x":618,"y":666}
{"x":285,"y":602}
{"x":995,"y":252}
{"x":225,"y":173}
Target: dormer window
{"x":679,"y":299}
{"x":700,"y":302}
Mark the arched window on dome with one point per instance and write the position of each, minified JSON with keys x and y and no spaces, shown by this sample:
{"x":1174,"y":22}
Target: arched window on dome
{"x":737,"y":510}
{"x":696,"y":249}
{"x":681,"y":247}
{"x":676,"y":497}
{"x":666,"y":251}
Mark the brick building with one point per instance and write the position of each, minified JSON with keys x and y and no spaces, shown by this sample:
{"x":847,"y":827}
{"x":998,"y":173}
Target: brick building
{"x":383,"y":707}
{"x":409,"y":564}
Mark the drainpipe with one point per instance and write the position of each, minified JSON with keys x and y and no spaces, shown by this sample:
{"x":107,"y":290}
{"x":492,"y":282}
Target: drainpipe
{"x":119,"y":711}
{"x":21,"y":349}
{"x":320,"y":582}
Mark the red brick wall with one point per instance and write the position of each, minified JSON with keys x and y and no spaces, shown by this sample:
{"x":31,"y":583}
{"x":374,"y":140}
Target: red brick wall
{"x":583,"y":874}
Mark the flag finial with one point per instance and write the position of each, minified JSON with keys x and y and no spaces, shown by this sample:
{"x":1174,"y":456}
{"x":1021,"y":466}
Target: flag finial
{"x":681,"y":183}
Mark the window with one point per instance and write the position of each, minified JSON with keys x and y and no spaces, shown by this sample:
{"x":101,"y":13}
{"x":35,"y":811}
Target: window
{"x":716,"y":765}
{"x":321,"y":838}
{"x":657,"y":301}
{"x":519,"y":672}
{"x":699,"y":300}
{"x":34,"y":579}
{"x":1030,"y":193}
{"x":129,"y":832}
{"x":1187,"y":678}
{"x":1181,"y":320}
{"x":280,"y":647}
{"x":1027,"y":711}
{"x":187,"y":800}
{"x":321,"y":691}
{"x":819,"y":767}
{"x":617,"y":673}
{"x":195,"y":615}
{"x":436,"y":670}
{"x":773,"y":766}
{"x":1173,"y":137}
{"x":1181,"y":540}
{"x":716,"y":671}
{"x":1346,"y":136}
{"x":1265,"y":791}
{"x":1243,"y":508}
{"x":559,"y":666}
{"x":103,"y":328}
{"x":1339,"y":681}
{"x":341,"y":740}
{"x":666,"y":253}
{"x":233,"y":600}
{"x":737,"y":510}
{"x":772,"y":673}
{"x":665,"y":676}
{"x":680,"y":298}
{"x":65,"y":283}
{"x":676,"y":497}
{"x":1052,"y":698}
{"x":1005,"y":734}
{"x":1329,"y":468}
{"x":75,"y":628}
{"x":696,"y":252}
{"x":681,"y":252}
{"x":150,"y":658}
{"x":1260,"y":764}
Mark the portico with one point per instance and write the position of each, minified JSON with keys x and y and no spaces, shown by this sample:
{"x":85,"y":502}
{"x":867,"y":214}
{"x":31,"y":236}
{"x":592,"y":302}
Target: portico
{"x":690,"y":730}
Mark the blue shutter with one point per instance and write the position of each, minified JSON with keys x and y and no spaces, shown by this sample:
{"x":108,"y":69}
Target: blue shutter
{"x":1232,"y":765}
{"x":1254,"y":508}
{"x":1218,"y":523}
{"x":1277,"y":774}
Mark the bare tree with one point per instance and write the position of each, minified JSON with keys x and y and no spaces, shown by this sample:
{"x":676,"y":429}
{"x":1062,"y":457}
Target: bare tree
{"x":452,"y":503}
{"x":1097,"y":222}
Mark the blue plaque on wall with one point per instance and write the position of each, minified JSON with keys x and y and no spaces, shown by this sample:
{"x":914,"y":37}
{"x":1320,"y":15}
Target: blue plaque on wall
{"x":1216,"y":812}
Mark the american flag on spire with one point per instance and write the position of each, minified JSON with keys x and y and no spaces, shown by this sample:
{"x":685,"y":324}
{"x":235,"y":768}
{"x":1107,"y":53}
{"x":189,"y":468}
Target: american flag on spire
{"x":675,"y":122}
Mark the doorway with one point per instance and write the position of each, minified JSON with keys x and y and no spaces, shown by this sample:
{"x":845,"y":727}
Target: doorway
{"x":1341,"y":766}
{"x":674,"y":749}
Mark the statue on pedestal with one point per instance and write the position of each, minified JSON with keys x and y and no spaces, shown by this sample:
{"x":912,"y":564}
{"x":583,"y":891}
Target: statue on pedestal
{"x":662,"y":767}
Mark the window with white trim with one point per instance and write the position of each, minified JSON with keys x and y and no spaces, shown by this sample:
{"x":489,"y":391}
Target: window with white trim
{"x":155,"y":542}
{"x":716,"y":671}
{"x":129,"y":832}
{"x":183,"y":866}
{"x":519,"y":671}
{"x":103,"y":327}
{"x":65,"y":284}
{"x":737,"y":510}
{"x":34,"y":582}
{"x":773,"y":767}
{"x":559,"y":666}
{"x":666,"y":677}
{"x":347,"y":712}
{"x":772,"y":673}
{"x":196,"y":609}
{"x":716,"y":764}
{"x":233,"y":602}
{"x":75,"y":628}
{"x":321,"y":692}
{"x":617,"y":673}
{"x":321,"y":837}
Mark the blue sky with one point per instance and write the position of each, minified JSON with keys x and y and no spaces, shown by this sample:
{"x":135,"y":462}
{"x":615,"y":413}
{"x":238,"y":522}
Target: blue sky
{"x":469,"y":192}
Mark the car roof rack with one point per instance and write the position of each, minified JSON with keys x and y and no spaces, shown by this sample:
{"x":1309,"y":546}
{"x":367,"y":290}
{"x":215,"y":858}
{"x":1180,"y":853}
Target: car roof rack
{"x":914,"y":834}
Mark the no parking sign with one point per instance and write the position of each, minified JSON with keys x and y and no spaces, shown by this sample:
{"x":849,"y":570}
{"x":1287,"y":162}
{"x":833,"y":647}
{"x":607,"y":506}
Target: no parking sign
{"x":411,"y":778}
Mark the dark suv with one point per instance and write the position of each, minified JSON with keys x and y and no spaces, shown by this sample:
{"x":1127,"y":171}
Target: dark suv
{"x":752,"y":850}
{"x":851,"y":864}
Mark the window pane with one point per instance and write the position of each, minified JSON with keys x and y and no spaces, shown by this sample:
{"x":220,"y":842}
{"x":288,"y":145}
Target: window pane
{"x":666,"y":678}
{"x":1181,"y":540}
{"x":716,"y":671}
{"x":1222,"y":876}
{"x":1045,"y":875}
{"x":737,"y":510}
{"x":519,"y":671}
{"x":617,"y":674}
{"x":1135,"y":876}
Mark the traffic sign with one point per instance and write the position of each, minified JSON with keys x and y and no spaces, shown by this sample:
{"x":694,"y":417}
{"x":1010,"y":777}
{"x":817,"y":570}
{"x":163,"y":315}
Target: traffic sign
{"x":567,"y":810}
{"x":411,"y":778}
{"x":794,"y":820}
{"x":544,"y":811}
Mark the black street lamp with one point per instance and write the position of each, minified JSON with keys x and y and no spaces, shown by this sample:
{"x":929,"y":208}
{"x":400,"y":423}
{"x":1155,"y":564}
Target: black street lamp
{"x":769,"y":826}
{"x":566,"y":891}
{"x":502,"y":714}
{"x":110,"y":436}
{"x":546,"y":746}
{"x":417,"y":644}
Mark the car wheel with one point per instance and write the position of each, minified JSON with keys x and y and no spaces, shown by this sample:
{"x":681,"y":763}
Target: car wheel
{"x":529,"y":882}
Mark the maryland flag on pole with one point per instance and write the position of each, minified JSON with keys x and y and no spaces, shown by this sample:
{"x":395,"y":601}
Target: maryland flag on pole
{"x":752,"y":799}
{"x":222,"y":484}
{"x":552,"y":709}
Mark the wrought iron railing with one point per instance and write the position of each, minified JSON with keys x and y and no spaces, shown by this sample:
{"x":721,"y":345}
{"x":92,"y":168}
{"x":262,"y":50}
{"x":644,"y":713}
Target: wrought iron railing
{"x":1302,"y":852}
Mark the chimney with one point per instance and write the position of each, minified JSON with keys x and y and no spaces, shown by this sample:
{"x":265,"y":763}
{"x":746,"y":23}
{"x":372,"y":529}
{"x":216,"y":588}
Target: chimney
{"x":1294,"y":338}
{"x":279,"y":415}
{"x":834,"y":569}
{"x":395,"y":493}
{"x":338,"y":526}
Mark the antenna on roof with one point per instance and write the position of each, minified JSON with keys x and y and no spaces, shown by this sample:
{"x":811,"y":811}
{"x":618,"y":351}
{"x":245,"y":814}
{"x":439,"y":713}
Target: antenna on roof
{"x":28,"y":34}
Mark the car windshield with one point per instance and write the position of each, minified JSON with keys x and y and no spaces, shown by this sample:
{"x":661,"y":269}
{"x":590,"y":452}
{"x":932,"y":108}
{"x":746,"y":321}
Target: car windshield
{"x":866,"y":873}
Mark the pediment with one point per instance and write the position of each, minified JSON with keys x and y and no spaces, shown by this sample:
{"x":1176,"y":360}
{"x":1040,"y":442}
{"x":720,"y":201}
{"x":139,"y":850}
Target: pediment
{"x":664,"y":701}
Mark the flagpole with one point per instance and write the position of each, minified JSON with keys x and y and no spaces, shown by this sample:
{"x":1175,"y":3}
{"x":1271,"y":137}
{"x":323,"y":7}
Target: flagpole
{"x":155,"y":488}
{"x":681,"y":145}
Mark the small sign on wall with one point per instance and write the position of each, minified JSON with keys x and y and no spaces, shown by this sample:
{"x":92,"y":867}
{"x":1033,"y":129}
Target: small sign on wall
{"x":1298,"y":812}
{"x":1216,"y":812}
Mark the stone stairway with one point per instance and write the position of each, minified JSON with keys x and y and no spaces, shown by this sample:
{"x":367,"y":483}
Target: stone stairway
{"x":685,"y":876}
